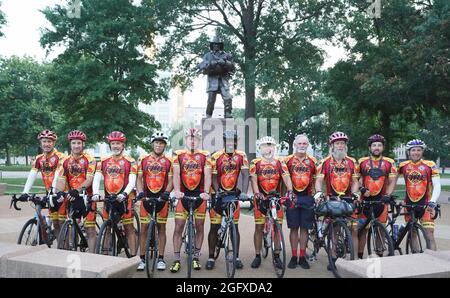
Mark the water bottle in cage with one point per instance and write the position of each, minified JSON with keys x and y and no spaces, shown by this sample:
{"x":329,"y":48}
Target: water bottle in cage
{"x":396,"y":228}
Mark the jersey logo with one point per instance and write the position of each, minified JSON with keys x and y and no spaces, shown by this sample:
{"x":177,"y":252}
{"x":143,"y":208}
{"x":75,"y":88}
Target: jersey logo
{"x":191,"y":166}
{"x":415,"y":177}
{"x":268,"y":171}
{"x":114,"y":171}
{"x":155,"y":168}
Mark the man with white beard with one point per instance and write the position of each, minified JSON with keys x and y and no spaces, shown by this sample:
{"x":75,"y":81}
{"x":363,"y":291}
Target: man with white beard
{"x":266,"y":175}
{"x":340,"y":174}
{"x":302,"y":169}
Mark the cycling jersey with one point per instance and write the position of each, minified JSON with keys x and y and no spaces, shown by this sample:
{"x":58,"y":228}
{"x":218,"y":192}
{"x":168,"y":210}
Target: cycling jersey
{"x":338,"y":175}
{"x":228,"y":167}
{"x":303,"y":172}
{"x":375,"y":172}
{"x":47,"y":165}
{"x":418,"y":179}
{"x":192,"y":167}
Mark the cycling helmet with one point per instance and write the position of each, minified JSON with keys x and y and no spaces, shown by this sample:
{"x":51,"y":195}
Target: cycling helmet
{"x":47,"y":134}
{"x":416,"y":143}
{"x":337,"y":136}
{"x":266,"y":140}
{"x":376,"y":138}
{"x":230,"y":134}
{"x":116,"y":136}
{"x":159,"y":136}
{"x":192,"y":132}
{"x":76,"y":135}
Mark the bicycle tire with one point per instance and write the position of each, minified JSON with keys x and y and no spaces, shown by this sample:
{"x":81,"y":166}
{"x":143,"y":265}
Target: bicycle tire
{"x":28,"y":227}
{"x":379,"y":228}
{"x":420,"y":230}
{"x":151,"y":249}
{"x":190,"y":247}
{"x":277,"y":232}
{"x":230,"y":255}
{"x":107,"y":227}
{"x":346,"y":245}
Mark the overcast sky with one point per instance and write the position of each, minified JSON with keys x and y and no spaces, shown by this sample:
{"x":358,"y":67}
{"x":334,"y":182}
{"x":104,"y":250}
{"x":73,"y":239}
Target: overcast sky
{"x":22,"y":33}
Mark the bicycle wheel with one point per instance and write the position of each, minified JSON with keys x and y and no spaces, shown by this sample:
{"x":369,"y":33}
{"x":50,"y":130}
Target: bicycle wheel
{"x":106,"y":240}
{"x":30,"y":234}
{"x":379,"y":241}
{"x":339,"y":243}
{"x":221,"y":237}
{"x":190,"y":246}
{"x":278,"y":249}
{"x":151,"y":249}
{"x":137,"y":227}
{"x":67,"y":239}
{"x":417,"y":240}
{"x":230,"y":249}
{"x":267,"y":240}
{"x":313,"y":245}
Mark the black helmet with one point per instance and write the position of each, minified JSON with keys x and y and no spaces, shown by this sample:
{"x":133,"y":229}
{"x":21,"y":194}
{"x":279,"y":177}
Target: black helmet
{"x":230,"y":134}
{"x":216,"y":40}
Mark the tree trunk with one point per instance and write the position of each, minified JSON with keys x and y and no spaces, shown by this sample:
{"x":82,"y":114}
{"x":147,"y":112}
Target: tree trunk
{"x":8,"y":157}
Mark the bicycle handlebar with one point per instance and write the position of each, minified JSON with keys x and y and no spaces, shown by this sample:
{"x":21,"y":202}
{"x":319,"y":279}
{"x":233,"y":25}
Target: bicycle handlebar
{"x":33,"y":198}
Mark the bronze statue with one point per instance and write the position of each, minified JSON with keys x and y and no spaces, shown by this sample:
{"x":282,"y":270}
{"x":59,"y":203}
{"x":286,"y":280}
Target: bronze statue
{"x":218,"y":65}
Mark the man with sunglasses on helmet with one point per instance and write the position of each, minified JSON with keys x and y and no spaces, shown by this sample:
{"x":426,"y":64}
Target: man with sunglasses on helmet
{"x":340,"y":173}
{"x":423,"y":185}
{"x":155,"y":180}
{"x":119,"y":173}
{"x":191,"y":177}
{"x":267,"y":174}
{"x":76,"y":171}
{"x":47,"y":164}
{"x":228,"y":164}
{"x":378,"y":175}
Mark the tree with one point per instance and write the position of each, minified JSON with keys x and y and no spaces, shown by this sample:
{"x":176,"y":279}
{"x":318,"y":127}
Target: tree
{"x":25,"y":98}
{"x":103,"y":73}
{"x":2,"y":21}
{"x":265,"y":36}
{"x":392,"y":79}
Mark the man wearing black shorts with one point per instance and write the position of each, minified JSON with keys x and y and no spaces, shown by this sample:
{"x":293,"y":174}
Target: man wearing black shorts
{"x":300,"y":216}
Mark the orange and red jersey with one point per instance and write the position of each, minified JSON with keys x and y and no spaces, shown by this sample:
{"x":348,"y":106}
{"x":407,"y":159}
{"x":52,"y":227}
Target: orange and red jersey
{"x":75,"y":170}
{"x":227,"y":167}
{"x":338,"y":175}
{"x":192,"y":167}
{"x":377,"y":187}
{"x":156,"y":171}
{"x":47,"y":165}
{"x":418,"y":179}
{"x":268,"y":174}
{"x":303,"y":172}
{"x":116,"y":171}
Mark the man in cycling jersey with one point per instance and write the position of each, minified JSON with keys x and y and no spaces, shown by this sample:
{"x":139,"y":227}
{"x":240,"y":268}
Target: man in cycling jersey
{"x":228,"y":164}
{"x":191,"y":177}
{"x":266,"y":175}
{"x":47,"y":164}
{"x":302,"y":169}
{"x":340,"y":174}
{"x":76,"y":171}
{"x":119,"y":173}
{"x":378,"y":174}
{"x":423,"y":185}
{"x":155,"y":180}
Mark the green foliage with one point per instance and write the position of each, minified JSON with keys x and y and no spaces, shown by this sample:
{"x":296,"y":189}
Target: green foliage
{"x":103,"y":74}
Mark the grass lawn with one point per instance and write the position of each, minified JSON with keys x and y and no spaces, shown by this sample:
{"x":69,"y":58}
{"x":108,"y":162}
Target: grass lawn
{"x":15,"y":168}
{"x":15,"y":185}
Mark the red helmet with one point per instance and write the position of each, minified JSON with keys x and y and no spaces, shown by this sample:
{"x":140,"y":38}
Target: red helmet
{"x":192,"y":132}
{"x":338,"y":136}
{"x":76,"y":135}
{"x":376,"y":138}
{"x":116,"y":136}
{"x":47,"y":134}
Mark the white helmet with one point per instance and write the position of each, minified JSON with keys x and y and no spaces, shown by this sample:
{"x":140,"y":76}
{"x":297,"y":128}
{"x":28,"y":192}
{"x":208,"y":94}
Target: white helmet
{"x":159,"y":136}
{"x":266,"y":140}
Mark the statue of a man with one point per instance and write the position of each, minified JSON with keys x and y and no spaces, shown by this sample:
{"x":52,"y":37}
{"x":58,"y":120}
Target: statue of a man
{"x":218,"y":65}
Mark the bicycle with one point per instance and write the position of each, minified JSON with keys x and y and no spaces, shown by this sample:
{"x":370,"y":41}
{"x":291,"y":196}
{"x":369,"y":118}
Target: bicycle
{"x":378,"y":237}
{"x":332,"y":231}
{"x":151,"y":246}
{"x":227,"y":234}
{"x":273,"y":238}
{"x":111,"y":238}
{"x":415,"y":234}
{"x":37,"y":230}
{"x":73,"y":235}
{"x":188,"y":238}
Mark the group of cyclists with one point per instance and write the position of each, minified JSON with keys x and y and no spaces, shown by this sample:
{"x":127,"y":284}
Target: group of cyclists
{"x":193,"y":172}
